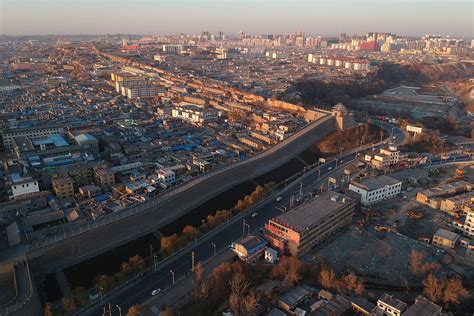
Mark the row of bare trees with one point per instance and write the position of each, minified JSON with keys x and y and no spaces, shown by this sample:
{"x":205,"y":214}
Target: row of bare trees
{"x":348,"y":283}
{"x":170,"y":244}
{"x":447,"y":290}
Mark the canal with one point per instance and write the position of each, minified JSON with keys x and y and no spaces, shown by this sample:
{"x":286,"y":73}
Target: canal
{"x":85,"y":273}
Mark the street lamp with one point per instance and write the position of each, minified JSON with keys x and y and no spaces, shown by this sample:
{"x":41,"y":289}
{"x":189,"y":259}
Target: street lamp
{"x":319,"y":173}
{"x":154,"y":260}
{"x":214,"y":245}
{"x":336,"y":163}
{"x":101,"y":297}
{"x":120,"y":310}
{"x":172,"y":276}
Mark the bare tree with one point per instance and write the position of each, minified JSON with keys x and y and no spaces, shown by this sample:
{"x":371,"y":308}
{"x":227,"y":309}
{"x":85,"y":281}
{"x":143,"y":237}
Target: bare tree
{"x":352,"y":284}
{"x":327,"y":277}
{"x":454,"y":290}
{"x":238,"y":287}
{"x":251,"y":302}
{"x":432,"y":288}
{"x":292,"y":275}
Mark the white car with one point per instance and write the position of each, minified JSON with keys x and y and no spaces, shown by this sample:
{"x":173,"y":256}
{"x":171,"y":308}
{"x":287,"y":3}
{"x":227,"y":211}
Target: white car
{"x":330,"y":168}
{"x":279,"y":199}
{"x":254,"y":214}
{"x":156,"y":291}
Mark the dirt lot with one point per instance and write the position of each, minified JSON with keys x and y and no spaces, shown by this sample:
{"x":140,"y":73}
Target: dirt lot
{"x":373,"y":254}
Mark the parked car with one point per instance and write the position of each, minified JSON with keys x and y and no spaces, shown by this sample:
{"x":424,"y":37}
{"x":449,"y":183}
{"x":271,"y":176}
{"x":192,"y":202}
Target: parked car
{"x":254,"y":214}
{"x":279,"y":199}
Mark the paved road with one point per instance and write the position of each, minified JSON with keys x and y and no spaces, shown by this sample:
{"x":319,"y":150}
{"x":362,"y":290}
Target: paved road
{"x":181,"y":263}
{"x":204,"y":250}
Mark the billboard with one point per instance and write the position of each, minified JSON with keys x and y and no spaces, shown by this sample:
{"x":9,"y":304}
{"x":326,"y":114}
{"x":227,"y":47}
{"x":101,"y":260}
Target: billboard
{"x":414,"y":129}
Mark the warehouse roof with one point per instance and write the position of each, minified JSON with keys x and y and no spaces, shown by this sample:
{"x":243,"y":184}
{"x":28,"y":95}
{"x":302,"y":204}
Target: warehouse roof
{"x":313,"y":211}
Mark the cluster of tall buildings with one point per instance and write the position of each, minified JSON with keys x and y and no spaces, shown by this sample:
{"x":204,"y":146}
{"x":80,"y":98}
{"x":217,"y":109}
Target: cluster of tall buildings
{"x":340,"y":61}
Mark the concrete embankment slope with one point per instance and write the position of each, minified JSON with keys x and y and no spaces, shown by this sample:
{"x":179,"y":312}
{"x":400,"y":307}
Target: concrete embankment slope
{"x":93,"y":242}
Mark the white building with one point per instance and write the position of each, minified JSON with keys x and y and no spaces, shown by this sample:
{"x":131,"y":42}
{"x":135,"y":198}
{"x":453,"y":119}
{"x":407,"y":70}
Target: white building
{"x":385,"y":158}
{"x":465,"y":224}
{"x":193,"y":114}
{"x":376,"y":189}
{"x":167,"y":176}
{"x":33,"y":133}
{"x":271,"y":255}
{"x":146,"y":91}
{"x":389,"y":305}
{"x":21,"y":186}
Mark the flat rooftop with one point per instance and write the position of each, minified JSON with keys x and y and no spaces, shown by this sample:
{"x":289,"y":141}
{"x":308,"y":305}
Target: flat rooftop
{"x":371,"y":184}
{"x":446,"y":234}
{"x":311,"y":212}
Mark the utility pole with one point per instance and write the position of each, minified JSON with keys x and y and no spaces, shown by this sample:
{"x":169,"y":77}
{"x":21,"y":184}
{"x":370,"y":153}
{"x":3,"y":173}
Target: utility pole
{"x":151,"y":251}
{"x":154,"y":261}
{"x":120,"y":310}
{"x":243,"y":228}
{"x":301,"y":189}
{"x":319,"y":173}
{"x":193,"y":254}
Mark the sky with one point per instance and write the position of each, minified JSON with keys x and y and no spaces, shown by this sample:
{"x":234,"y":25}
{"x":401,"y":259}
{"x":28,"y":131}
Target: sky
{"x":315,"y":17}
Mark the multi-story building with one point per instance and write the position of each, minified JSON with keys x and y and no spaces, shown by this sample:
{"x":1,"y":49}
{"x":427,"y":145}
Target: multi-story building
{"x":167,"y":176}
{"x":23,"y":185}
{"x":386,"y":158}
{"x":376,"y":189}
{"x":105,"y":178}
{"x":193,"y":114}
{"x":34,"y":133}
{"x":465,"y":224}
{"x":301,"y":228}
{"x":142,"y":91}
{"x":63,"y":187}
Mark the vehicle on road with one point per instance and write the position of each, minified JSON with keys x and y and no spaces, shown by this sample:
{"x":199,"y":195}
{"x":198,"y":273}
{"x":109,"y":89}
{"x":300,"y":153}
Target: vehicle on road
{"x":254,"y":214}
{"x":330,"y":168}
{"x":298,"y":199}
{"x":156,"y":291}
{"x":342,"y":161}
{"x":279,"y":199}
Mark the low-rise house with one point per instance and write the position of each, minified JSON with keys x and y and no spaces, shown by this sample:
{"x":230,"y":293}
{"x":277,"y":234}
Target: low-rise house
{"x":445,"y":239}
{"x":271,"y":255}
{"x":389,"y":305}
{"x":249,"y":248}
{"x":423,"y":307}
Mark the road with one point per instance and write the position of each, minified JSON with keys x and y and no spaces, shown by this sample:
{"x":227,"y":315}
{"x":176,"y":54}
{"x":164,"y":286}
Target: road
{"x":181,"y":263}
{"x":204,"y":250}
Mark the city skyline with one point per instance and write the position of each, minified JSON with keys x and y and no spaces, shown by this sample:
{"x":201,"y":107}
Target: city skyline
{"x":51,"y":17}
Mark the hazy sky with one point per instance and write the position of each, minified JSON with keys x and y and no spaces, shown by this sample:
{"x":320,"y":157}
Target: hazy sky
{"x":321,"y":17}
